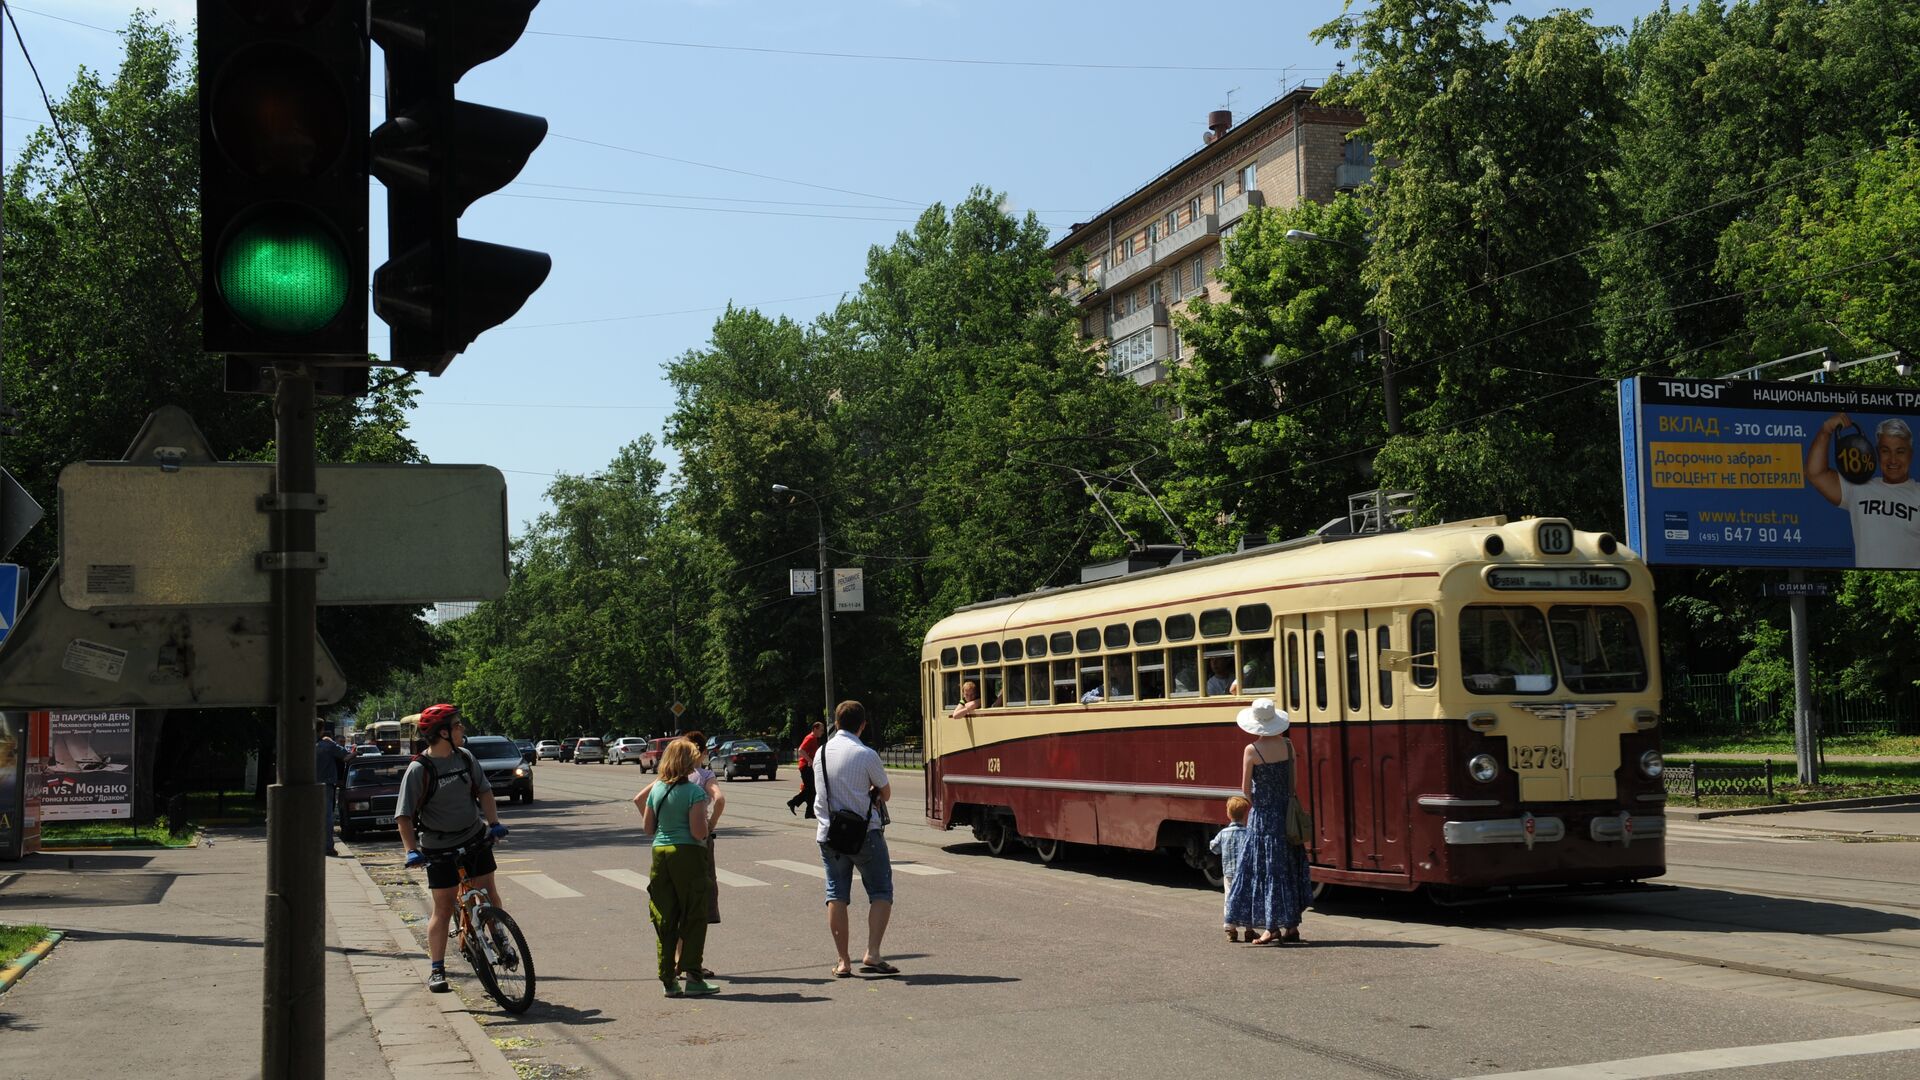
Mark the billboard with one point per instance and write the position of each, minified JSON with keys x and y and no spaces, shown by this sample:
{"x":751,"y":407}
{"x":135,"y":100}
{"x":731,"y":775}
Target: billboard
{"x":89,"y":769}
{"x":1738,"y":472}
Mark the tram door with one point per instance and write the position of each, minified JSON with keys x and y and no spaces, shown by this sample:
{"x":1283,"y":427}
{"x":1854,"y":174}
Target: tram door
{"x":1372,"y":764}
{"x":1325,"y":752}
{"x":929,"y":744}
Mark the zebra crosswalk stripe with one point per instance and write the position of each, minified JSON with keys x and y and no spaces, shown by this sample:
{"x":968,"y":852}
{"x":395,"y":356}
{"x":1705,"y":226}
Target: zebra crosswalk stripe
{"x":543,"y":886}
{"x":728,"y":877}
{"x":809,"y":869}
{"x":918,"y":868}
{"x":630,"y":878}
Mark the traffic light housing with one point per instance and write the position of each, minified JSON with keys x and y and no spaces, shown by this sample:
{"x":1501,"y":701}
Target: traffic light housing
{"x":436,"y":155}
{"x":283,"y":177}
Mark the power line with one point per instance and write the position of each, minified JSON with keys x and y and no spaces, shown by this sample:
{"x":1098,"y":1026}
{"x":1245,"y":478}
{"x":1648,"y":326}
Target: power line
{"x":726,"y":169}
{"x":74,"y":22}
{"x":664,"y":314}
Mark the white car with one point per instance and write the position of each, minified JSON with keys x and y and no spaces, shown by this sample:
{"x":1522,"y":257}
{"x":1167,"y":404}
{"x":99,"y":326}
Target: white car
{"x":625,"y":750}
{"x":548,"y":749}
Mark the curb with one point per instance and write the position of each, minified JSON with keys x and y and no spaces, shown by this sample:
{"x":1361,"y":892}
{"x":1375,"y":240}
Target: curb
{"x":107,"y":844}
{"x":23,"y":963}
{"x":1791,"y":808}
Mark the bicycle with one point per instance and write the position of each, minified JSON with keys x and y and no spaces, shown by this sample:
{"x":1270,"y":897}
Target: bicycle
{"x":506,"y":975}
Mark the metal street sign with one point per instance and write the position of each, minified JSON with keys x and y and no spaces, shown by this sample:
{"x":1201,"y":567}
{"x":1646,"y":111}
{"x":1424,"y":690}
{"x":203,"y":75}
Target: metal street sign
{"x":147,"y":658}
{"x":678,"y":709}
{"x":139,"y":535}
{"x":849,"y":590}
{"x":18,"y":512}
{"x":1795,"y":588}
{"x":13,"y":595}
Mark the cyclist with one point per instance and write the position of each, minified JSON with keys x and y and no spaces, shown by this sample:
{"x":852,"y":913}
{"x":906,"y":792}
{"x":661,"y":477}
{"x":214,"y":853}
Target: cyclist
{"x":444,"y":798}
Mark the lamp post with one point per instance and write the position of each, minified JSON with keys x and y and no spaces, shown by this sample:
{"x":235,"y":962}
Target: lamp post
{"x":1387,"y":386}
{"x":820,"y":586}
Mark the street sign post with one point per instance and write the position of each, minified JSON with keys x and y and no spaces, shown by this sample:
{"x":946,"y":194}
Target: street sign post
{"x":1788,"y":589}
{"x":13,"y":596}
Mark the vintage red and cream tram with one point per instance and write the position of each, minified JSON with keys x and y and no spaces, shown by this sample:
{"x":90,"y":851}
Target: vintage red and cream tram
{"x":1474,"y":705}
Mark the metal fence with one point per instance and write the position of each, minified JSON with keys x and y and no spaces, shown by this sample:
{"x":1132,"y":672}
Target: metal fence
{"x":1716,"y":705}
{"x":1700,"y":779}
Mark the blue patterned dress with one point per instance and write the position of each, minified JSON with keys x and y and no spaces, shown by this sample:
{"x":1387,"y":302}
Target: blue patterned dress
{"x":1270,"y":885}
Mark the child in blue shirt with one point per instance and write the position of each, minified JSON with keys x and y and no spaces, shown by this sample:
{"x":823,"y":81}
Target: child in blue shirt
{"x":1228,"y":843}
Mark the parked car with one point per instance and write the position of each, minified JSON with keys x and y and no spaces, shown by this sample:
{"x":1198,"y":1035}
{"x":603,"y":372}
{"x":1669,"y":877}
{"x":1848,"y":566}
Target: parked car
{"x":528,"y":752}
{"x":744,"y":757}
{"x":508,"y":774}
{"x":566,"y":749}
{"x":589,"y":750}
{"x":373,"y":788}
{"x":650,"y":757}
{"x":548,"y":749}
{"x":626,"y":750}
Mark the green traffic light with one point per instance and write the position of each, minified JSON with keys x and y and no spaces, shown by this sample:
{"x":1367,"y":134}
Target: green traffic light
{"x":284,"y":275}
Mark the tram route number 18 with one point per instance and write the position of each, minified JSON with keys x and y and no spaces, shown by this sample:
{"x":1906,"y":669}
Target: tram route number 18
{"x":1535,"y":757}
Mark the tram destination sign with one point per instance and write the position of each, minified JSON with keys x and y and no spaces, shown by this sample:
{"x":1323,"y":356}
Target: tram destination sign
{"x":1738,"y":472}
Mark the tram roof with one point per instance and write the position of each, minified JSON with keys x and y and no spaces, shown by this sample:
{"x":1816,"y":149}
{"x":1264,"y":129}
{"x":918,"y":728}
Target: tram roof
{"x":1446,"y":544}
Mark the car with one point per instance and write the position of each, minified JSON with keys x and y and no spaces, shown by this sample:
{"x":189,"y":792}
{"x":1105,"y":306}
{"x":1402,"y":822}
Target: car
{"x":528,"y":753}
{"x":566,"y":749}
{"x":500,"y":759}
{"x":548,"y":749}
{"x":589,"y":750}
{"x":626,"y":750}
{"x":373,"y":789}
{"x":650,"y":757}
{"x":745,"y":757}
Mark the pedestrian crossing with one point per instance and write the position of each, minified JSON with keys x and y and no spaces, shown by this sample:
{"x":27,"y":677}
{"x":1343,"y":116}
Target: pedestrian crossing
{"x":1682,"y":832}
{"x":547,"y":887}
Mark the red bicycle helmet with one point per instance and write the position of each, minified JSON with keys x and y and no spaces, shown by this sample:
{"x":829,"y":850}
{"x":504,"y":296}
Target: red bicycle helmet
{"x":437,"y":721}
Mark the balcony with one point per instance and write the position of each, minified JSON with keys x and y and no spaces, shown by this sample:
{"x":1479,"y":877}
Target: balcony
{"x":1125,"y":271}
{"x":1081,"y":292}
{"x":1151,"y":315}
{"x":1143,"y":355}
{"x":1236,"y":208}
{"x":1192,"y":235}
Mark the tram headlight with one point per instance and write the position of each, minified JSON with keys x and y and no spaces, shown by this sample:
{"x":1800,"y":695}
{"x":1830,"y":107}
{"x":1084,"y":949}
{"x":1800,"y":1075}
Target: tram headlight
{"x":1483,"y":767}
{"x":1653,"y":764}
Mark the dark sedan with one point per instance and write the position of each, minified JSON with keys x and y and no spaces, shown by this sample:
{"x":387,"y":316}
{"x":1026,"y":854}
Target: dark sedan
{"x":373,"y":787}
{"x":510,"y":776}
{"x":744,"y":757}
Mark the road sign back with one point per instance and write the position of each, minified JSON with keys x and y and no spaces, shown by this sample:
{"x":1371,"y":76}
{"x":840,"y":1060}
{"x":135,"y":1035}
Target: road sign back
{"x":18,"y":512}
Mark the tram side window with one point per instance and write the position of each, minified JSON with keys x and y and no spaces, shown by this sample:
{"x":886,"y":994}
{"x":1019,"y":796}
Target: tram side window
{"x":950,"y":690}
{"x":1503,"y":650}
{"x":1120,"y":677}
{"x":1153,"y":674}
{"x":1293,"y":671}
{"x":990,"y":653}
{"x":1256,"y":666}
{"x":969,"y":655}
{"x":1320,"y":669}
{"x":1383,"y":640}
{"x":1425,"y":646}
{"x":1064,"y":684}
{"x":991,"y":696}
{"x":1092,"y":681}
{"x":1016,"y":689}
{"x":1039,"y":683}
{"x":1353,"y":670}
{"x":1183,"y":667}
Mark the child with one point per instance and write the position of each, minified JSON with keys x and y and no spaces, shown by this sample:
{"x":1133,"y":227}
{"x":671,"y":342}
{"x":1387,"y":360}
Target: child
{"x":1227,"y":844}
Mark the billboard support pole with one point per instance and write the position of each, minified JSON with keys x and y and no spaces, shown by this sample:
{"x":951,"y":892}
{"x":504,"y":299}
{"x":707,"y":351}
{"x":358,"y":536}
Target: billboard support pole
{"x":1802,"y":685}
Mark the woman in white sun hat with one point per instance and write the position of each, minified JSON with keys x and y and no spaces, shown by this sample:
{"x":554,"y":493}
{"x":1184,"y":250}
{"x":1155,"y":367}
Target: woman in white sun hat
{"x":1270,"y":884}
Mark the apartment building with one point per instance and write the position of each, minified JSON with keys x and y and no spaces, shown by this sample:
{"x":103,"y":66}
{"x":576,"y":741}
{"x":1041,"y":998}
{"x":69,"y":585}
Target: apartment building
{"x":1154,"y":250}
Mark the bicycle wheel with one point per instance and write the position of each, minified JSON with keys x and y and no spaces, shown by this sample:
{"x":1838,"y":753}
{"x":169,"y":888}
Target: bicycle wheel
{"x":507,"y":976}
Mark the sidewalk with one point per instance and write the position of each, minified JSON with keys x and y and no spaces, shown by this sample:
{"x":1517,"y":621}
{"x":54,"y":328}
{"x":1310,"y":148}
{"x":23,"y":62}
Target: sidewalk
{"x":1889,"y":817}
{"x":1787,"y":756}
{"x":163,"y":969}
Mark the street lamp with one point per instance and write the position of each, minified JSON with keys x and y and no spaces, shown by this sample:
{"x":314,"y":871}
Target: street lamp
{"x":1388,"y":388}
{"x":820,"y":586}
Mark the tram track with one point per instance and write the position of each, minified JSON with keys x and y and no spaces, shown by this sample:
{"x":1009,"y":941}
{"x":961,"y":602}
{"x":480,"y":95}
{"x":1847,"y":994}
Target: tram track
{"x":1770,"y":970}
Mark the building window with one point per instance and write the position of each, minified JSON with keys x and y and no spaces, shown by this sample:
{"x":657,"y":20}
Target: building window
{"x":1153,"y":293}
{"x":1248,"y":180}
{"x":1359,"y":152}
{"x":1153,"y":231}
{"x":1131,"y":352}
{"x":1219,"y":195}
{"x":1173,"y":222}
{"x":1199,"y":272}
{"x":1126,"y":249}
{"x":1193,"y":210}
{"x":1176,"y":343}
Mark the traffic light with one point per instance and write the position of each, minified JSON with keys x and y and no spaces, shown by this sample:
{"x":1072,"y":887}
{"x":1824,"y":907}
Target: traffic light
{"x":283,"y":177}
{"x":436,"y":156}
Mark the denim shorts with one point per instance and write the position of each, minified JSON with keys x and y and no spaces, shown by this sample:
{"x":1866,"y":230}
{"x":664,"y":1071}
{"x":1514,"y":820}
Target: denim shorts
{"x":876,"y":870}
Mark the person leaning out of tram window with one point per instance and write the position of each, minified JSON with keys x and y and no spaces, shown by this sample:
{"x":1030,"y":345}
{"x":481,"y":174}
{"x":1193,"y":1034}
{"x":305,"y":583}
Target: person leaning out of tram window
{"x":679,"y":888}
{"x":1270,"y":885}
{"x":969,"y":701}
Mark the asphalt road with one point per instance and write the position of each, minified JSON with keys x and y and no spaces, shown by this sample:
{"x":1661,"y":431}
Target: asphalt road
{"x":1114,"y":964}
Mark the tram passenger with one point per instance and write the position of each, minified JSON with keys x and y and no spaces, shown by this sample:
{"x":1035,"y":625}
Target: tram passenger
{"x":969,"y":701}
{"x":1270,"y":884}
{"x":1227,"y":844}
{"x":1220,"y":679}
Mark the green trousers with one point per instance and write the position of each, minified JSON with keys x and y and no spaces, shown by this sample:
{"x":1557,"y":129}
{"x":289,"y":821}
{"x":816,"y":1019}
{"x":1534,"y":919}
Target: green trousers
{"x":678,"y":893}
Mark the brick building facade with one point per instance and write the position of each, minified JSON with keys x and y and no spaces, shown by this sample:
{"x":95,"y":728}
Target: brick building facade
{"x":1156,"y":249}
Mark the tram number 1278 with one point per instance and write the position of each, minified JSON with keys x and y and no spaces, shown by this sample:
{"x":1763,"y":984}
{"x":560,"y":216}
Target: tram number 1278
{"x":1536,"y":757}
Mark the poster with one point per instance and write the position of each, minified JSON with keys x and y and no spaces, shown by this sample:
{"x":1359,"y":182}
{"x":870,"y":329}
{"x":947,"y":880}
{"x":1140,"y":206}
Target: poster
{"x":13,"y":777}
{"x":1739,"y":472}
{"x":89,"y":768}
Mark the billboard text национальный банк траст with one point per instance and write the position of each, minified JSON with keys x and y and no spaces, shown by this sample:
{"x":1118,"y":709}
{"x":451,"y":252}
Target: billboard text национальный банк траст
{"x":1740,"y":472}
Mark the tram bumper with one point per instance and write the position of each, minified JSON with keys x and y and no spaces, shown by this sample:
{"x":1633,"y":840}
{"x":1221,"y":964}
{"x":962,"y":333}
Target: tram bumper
{"x":1526,"y":829}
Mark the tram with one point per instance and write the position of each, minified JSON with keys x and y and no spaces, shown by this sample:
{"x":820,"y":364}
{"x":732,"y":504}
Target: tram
{"x":1474,"y":706}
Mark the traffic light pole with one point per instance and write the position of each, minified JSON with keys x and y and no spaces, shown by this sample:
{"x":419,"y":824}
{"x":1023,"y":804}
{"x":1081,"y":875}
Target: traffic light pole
{"x":294,"y":1005}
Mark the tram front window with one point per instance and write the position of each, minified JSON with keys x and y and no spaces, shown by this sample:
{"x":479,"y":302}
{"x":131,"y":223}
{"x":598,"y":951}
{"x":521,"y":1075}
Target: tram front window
{"x":1503,"y":650}
{"x":1599,"y":648}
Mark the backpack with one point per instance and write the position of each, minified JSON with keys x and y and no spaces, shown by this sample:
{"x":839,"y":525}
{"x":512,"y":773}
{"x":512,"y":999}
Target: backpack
{"x":465,"y":769}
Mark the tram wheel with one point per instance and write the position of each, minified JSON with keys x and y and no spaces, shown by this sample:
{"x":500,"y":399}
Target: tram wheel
{"x":1051,"y":852}
{"x":1316,"y":893}
{"x":1210,"y":870}
{"x":1000,"y":836}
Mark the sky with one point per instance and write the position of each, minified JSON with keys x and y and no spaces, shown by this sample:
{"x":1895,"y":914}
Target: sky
{"x":696,"y":158}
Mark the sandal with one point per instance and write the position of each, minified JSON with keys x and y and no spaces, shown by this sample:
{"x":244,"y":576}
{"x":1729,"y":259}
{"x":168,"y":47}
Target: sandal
{"x":840,"y":972}
{"x":881,"y":968}
{"x":1291,"y":936}
{"x":1267,"y":937}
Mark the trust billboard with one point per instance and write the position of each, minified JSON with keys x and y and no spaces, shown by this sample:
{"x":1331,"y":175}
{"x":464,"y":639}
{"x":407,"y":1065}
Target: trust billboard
{"x":1739,"y":472}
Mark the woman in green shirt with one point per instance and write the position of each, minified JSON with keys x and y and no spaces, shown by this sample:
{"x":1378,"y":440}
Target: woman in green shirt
{"x":678,"y":889}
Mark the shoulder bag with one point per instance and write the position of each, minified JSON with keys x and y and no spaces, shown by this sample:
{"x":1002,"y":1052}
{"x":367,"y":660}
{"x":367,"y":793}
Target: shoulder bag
{"x":1299,"y":822}
{"x":846,"y":830}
